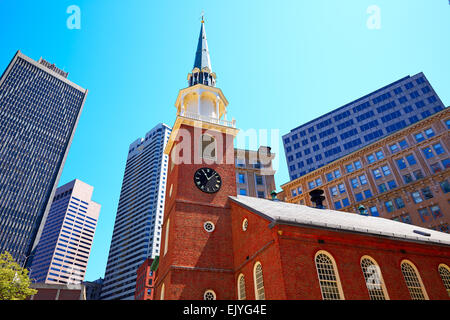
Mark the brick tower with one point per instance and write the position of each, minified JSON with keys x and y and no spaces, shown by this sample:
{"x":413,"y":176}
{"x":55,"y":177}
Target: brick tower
{"x":196,"y":249}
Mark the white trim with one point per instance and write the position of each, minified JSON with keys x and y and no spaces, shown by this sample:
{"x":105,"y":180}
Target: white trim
{"x":257,"y":296}
{"x":209,"y":291}
{"x":212,"y":224}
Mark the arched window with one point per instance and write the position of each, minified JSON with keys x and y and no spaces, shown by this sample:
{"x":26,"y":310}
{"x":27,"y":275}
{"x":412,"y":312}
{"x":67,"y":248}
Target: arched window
{"x":245,"y":225}
{"x":413,"y":281}
{"x":208,"y":146}
{"x":166,"y":237}
{"x":259,"y":282}
{"x":330,"y":285}
{"x":444,"y":271}
{"x":161,"y":297}
{"x":241,"y":287}
{"x":209,"y":295}
{"x":374,"y":279}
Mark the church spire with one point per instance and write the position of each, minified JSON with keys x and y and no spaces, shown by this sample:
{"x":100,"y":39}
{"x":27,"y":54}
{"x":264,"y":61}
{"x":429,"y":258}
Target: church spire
{"x":202,"y":71}
{"x":202,"y":58}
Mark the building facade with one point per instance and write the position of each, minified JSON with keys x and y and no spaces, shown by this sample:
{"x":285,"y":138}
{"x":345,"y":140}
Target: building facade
{"x":359,"y":123}
{"x":293,"y":252}
{"x":63,"y":251}
{"x":220,"y":245}
{"x":137,"y":228}
{"x":145,"y":280}
{"x":64,"y":292}
{"x":255,"y":176}
{"x":39,"y":112}
{"x":404,"y":177}
{"x":197,"y":200}
{"x":93,"y":289}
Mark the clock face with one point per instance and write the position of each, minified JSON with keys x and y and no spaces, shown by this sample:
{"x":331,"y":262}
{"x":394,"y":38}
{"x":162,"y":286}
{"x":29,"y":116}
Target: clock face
{"x":207,"y":180}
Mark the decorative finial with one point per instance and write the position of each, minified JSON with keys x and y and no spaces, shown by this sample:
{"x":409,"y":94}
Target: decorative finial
{"x":203,"y":16}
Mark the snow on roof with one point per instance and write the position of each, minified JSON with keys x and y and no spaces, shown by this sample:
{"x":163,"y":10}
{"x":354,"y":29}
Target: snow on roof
{"x":278,"y":211}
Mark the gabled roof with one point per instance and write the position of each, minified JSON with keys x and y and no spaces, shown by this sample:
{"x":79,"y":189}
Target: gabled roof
{"x":288,"y":213}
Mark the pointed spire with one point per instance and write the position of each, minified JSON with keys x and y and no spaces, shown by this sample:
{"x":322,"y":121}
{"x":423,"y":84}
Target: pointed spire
{"x":202,"y":71}
{"x":202,"y":58}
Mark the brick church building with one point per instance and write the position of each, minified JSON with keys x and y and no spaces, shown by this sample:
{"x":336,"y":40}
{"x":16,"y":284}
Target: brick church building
{"x":220,"y":245}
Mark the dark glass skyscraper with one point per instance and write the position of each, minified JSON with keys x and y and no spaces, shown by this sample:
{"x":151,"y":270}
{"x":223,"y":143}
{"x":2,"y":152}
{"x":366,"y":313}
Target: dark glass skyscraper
{"x":39,"y":111}
{"x":359,"y":123}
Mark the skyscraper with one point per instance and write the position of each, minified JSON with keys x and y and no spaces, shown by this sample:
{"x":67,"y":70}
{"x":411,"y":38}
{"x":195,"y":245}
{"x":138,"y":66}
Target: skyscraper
{"x":39,"y":112}
{"x":359,"y":123}
{"x":404,"y":177}
{"x":63,"y":251}
{"x":137,"y":229}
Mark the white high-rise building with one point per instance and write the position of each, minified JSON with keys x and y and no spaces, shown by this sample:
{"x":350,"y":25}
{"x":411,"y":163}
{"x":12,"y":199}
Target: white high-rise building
{"x":137,"y":229}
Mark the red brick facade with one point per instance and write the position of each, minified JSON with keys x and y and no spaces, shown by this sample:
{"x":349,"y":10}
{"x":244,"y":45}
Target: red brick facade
{"x":145,"y":281}
{"x":287,"y":256}
{"x":196,"y":261}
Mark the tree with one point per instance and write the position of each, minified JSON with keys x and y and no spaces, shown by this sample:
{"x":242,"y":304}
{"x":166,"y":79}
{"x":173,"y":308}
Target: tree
{"x":14,"y":280}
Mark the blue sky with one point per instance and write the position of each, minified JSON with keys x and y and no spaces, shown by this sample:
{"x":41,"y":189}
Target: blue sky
{"x":279,"y":63}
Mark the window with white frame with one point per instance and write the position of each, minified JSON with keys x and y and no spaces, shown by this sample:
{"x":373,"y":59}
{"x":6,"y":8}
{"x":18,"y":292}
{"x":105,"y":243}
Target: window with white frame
{"x":259,"y":282}
{"x":373,"y":278}
{"x":444,"y":272}
{"x":328,"y":277}
{"x":208,"y":146}
{"x":413,"y":281}
{"x":241,"y":287}
{"x":209,"y":295}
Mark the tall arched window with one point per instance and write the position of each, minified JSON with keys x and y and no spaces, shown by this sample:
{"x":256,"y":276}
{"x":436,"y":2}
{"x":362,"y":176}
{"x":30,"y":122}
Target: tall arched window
{"x":330,"y":285}
{"x":374,"y":279}
{"x":241,"y":287}
{"x":161,"y":297}
{"x":208,"y":146}
{"x":413,"y":281}
{"x":259,"y":282}
{"x":444,"y":271}
{"x":166,"y":237}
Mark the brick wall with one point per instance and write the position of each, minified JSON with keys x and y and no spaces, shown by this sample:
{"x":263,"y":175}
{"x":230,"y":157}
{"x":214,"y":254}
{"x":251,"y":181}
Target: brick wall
{"x":288,"y":260}
{"x":196,"y":258}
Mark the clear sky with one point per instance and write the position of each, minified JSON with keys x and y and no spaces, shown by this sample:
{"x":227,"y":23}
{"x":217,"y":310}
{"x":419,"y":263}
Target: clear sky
{"x":279,"y":63}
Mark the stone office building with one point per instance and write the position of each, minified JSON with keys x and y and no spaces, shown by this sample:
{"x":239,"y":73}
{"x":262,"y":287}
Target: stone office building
{"x":404,"y":177}
{"x":255,"y":176}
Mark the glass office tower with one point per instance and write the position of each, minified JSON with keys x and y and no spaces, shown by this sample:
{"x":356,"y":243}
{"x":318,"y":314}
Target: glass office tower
{"x":359,"y":123}
{"x":137,"y":229}
{"x":39,"y":112}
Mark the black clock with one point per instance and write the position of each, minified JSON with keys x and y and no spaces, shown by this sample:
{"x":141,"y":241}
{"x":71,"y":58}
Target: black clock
{"x":207,"y":180}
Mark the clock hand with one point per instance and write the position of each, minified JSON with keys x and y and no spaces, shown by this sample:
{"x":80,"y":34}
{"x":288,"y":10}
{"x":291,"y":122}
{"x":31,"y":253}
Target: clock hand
{"x":212,"y":176}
